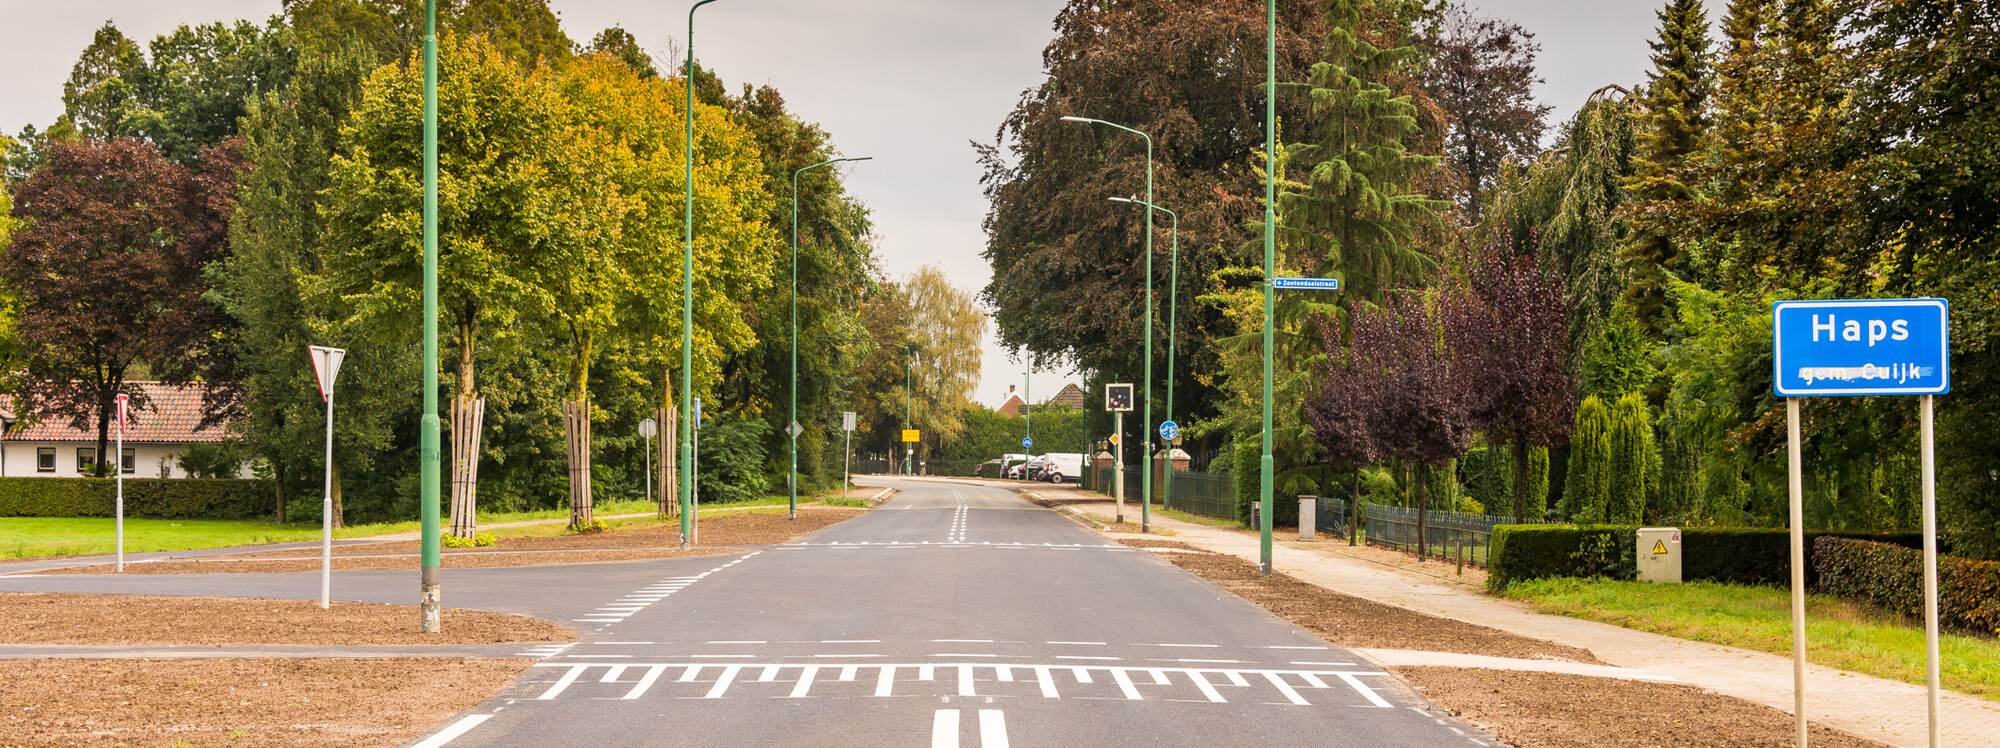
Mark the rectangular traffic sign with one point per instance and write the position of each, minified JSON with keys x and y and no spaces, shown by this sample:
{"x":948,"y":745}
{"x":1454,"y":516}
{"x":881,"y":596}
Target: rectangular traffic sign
{"x":1861,"y":347}
{"x":1118,"y":397}
{"x":847,"y":421}
{"x":1308,"y":284}
{"x":910,"y":435}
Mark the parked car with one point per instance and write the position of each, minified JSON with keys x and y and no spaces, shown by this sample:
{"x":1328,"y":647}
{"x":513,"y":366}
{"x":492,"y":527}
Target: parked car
{"x":1061,"y":467}
{"x":1032,"y":469}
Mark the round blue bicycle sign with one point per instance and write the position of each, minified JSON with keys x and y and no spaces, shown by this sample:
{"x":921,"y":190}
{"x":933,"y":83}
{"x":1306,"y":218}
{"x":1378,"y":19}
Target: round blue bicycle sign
{"x":1027,"y":443}
{"x":1169,"y":430}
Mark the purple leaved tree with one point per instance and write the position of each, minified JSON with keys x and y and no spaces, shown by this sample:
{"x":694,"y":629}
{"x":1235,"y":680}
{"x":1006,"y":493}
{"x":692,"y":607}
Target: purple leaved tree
{"x":1341,"y":414}
{"x":1516,"y":338}
{"x":1419,"y":389}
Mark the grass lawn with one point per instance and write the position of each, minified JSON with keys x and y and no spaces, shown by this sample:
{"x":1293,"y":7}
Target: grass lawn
{"x":1839,"y":633}
{"x":26,"y":537}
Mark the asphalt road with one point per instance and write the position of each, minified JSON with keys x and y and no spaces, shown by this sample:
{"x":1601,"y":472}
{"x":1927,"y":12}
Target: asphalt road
{"x":953,"y":615}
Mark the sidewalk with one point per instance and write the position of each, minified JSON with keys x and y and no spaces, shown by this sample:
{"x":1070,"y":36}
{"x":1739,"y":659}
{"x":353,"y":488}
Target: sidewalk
{"x":1889,"y":711}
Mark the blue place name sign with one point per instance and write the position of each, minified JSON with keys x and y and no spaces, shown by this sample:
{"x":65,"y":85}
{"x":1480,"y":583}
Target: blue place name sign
{"x":1863,"y":347}
{"x":1309,"y":284}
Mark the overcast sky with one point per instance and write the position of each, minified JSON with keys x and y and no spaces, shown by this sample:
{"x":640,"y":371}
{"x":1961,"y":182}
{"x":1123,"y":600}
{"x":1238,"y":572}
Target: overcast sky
{"x":908,"y":82}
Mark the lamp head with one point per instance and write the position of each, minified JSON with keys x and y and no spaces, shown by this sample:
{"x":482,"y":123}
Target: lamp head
{"x":1076,"y":119}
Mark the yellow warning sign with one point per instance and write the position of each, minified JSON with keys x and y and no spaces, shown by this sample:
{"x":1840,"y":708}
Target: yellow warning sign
{"x":910,"y":435}
{"x":1659,"y":547}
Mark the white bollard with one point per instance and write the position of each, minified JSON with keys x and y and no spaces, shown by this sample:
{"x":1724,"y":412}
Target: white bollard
{"x":1308,"y":518}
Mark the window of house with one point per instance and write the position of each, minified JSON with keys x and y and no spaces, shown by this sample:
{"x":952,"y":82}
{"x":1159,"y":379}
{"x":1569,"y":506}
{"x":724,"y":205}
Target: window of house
{"x":131,"y":461}
{"x":86,"y":460}
{"x":45,"y":459}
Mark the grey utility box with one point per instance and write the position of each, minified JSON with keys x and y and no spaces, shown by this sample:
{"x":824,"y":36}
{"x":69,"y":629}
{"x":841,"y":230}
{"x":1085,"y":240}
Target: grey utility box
{"x":1308,"y":519}
{"x":1660,"y":555}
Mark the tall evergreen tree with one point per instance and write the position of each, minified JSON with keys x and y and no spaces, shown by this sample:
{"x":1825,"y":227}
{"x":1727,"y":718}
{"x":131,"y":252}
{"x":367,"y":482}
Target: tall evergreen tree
{"x":1671,"y":128}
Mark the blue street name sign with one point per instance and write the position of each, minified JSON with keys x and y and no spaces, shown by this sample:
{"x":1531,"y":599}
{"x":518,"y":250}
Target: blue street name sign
{"x":1027,"y":443}
{"x":1309,"y":284}
{"x":1169,"y":430}
{"x":1864,"y":347}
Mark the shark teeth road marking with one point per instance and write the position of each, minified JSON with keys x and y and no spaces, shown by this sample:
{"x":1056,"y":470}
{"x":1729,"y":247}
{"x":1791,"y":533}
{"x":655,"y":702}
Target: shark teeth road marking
{"x":969,"y":679}
{"x":625,"y":607}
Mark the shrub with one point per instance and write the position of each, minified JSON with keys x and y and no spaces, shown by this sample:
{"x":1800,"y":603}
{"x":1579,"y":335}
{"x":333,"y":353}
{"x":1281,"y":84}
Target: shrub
{"x":480,"y":540}
{"x":162,"y":498}
{"x":1588,"y":486}
{"x":1891,"y":577}
{"x":1249,"y":467}
{"x":1759,"y":556}
{"x":219,"y":460}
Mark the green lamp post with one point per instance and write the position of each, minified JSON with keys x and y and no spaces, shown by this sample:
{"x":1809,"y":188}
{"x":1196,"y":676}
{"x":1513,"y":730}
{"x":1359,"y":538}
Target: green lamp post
{"x":909,"y":367}
{"x":1145,"y":476}
{"x":1173,"y":295}
{"x":687,"y":298}
{"x":429,"y":466}
{"x":791,"y":430}
{"x":1265,"y":465}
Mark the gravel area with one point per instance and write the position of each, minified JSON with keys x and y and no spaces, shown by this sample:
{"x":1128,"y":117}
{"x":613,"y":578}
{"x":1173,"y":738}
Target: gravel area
{"x":1354,"y":622}
{"x":56,"y":618}
{"x":1546,"y":710}
{"x":239,"y":702}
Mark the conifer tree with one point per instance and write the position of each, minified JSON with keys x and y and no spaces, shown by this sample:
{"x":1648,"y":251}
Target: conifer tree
{"x":1670,"y":131}
{"x":1588,"y":486}
{"x":1631,"y":442}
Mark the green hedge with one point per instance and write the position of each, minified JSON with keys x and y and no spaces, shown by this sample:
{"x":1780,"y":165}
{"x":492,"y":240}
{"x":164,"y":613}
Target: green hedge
{"x":1891,"y":577}
{"x":1732,"y":555}
{"x":164,"y":498}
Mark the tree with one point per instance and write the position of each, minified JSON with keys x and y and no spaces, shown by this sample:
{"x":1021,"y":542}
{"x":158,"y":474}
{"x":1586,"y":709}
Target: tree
{"x":108,"y":271}
{"x":524,"y":31}
{"x":946,"y":329}
{"x":1525,"y":367}
{"x":276,"y":240}
{"x":1068,"y":283}
{"x":1341,"y":413}
{"x":102,"y":93}
{"x":1671,"y":129}
{"x":620,"y":44}
{"x":1357,"y":212}
{"x":1411,"y":352}
{"x":189,"y":94}
{"x":1481,"y":71}
{"x":1631,"y":470}
{"x":1587,"y":490}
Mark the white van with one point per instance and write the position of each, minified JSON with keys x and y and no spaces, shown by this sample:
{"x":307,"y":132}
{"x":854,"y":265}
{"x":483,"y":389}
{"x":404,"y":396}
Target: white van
{"x":1061,"y":467}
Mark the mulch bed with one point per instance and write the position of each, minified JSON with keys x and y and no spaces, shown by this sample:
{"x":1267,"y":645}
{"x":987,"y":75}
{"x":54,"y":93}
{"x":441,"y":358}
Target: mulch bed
{"x":59,"y":618}
{"x":239,"y":702}
{"x":1353,"y":622}
{"x":1538,"y":710}
{"x":629,"y":543}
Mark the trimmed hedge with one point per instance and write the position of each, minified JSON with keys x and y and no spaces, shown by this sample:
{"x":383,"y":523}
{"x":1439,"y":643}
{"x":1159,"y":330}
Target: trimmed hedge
{"x":163,"y":498}
{"x":1732,"y":555}
{"x":1892,"y":577}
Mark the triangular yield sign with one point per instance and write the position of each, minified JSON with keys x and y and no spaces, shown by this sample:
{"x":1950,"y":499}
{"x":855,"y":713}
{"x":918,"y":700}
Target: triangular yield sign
{"x":326,"y":366}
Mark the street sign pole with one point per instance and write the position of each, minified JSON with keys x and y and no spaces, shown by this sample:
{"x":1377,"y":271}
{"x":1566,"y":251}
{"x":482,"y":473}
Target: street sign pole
{"x":118,"y":469}
{"x":1118,"y":462}
{"x":846,"y":451}
{"x":1931,"y":659}
{"x":1861,"y":347}
{"x":326,"y":368}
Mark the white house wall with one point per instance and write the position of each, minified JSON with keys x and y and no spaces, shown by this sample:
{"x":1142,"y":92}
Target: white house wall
{"x":17,"y":460}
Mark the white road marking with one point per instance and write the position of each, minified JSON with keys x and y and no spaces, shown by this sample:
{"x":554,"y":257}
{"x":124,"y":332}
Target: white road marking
{"x":1124,"y":681}
{"x":1082,"y":674}
{"x":1091,"y":644}
{"x":992,"y":729}
{"x":720,"y":656}
{"x":1337,"y":664}
{"x":847,"y":673}
{"x":1365,"y":690}
{"x":963,"y":641}
{"x":886,"y":681}
{"x":1047,"y":682}
{"x":456,"y":729}
{"x":1215,"y":661}
{"x":1279,"y":683}
{"x":965,"y":681}
{"x":805,"y":682}
{"x":847,"y":655}
{"x":851,"y":641}
{"x":688,"y":677}
{"x":1208,"y":646}
{"x":722,"y":683}
{"x":740,"y":642}
{"x":944,"y":729}
{"x":770,"y":673}
{"x":563,"y":682}
{"x":1313,"y":680}
{"x":1207,"y":689}
{"x":646,"y":682}
{"x":1082,"y":657}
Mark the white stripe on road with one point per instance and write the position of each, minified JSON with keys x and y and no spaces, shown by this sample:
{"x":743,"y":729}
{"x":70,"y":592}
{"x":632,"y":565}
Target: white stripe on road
{"x":1365,"y":690}
{"x":992,"y":729}
{"x":563,"y":682}
{"x":1125,"y":684}
{"x":1048,"y":683}
{"x":1207,"y":689}
{"x":805,"y":682}
{"x":886,"y":682}
{"x":1286,"y":689}
{"x":451,"y":733}
{"x":722,"y":683}
{"x":646,"y":682}
{"x":944,"y":729}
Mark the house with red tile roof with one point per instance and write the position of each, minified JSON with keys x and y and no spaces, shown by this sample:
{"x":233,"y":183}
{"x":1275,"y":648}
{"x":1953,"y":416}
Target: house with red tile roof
{"x":155,"y":436}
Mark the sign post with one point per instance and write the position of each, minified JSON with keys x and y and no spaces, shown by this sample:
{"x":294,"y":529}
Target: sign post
{"x":1267,"y":465}
{"x":846,"y":425}
{"x":1170,"y":434}
{"x":118,"y":469}
{"x":910,"y":439}
{"x":1118,"y":400}
{"x":326,"y":367}
{"x":694,"y":480}
{"x":1861,"y":347}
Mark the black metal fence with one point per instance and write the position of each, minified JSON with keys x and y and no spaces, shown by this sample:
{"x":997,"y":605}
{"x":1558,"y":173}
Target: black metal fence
{"x":1205,"y":494}
{"x":1446,"y":534}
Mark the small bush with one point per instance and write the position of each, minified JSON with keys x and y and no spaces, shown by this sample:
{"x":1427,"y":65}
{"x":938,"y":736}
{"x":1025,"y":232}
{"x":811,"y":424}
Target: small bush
{"x":595,"y":526}
{"x":162,"y":498}
{"x":1891,"y":577}
{"x":478,"y":540}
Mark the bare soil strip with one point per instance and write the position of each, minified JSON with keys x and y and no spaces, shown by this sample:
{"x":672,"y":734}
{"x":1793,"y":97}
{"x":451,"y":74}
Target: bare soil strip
{"x":240,"y":702}
{"x":1526,"y":709}
{"x":716,"y":534}
{"x":1352,"y":621}
{"x":1545,"y":710}
{"x":58,"y":618}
